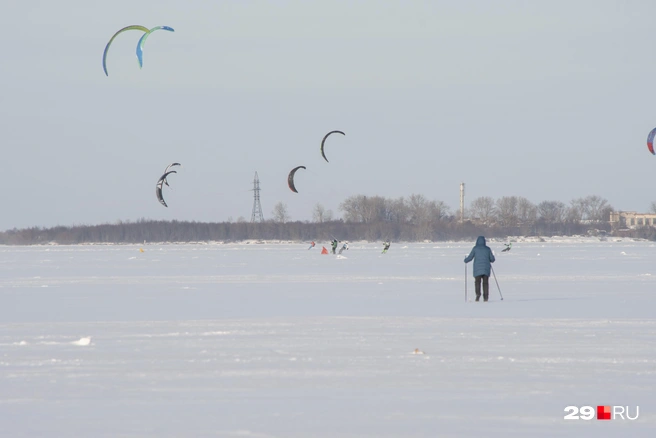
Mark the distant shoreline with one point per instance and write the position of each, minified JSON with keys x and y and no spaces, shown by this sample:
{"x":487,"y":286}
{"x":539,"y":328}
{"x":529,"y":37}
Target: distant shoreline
{"x":515,"y":239}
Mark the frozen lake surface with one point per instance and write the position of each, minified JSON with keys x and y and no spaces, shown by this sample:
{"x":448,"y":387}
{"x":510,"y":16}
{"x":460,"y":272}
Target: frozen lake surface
{"x":275,"y":340}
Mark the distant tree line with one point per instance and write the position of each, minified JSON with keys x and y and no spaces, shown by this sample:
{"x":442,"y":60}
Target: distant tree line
{"x":371,"y":218}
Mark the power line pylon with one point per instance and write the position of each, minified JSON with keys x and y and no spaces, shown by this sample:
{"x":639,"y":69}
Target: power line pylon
{"x":257,"y":215}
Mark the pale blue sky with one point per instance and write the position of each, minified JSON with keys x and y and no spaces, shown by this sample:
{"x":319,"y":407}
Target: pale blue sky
{"x":548,"y":100}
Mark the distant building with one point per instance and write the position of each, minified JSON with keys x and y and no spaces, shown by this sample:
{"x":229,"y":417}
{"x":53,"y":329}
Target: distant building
{"x":631,"y":219}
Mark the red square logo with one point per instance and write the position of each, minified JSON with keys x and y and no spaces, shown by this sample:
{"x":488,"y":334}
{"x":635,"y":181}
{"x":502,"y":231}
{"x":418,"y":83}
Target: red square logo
{"x":603,"y":412}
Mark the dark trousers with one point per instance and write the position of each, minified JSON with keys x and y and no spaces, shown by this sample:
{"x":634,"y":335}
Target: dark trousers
{"x":486,"y":287}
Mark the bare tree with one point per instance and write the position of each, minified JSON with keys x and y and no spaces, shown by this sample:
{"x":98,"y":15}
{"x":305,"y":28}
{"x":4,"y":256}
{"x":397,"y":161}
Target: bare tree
{"x":574,"y":213}
{"x":652,"y":207}
{"x":320,"y":214}
{"x":482,"y":208}
{"x":374,"y":208}
{"x":578,"y":210}
{"x":279,"y":213}
{"x":507,"y":211}
{"x":591,"y":208}
{"x":419,"y":216}
{"x":438,"y":210}
{"x":605,"y":214}
{"x":362,"y":208}
{"x":397,"y":210}
{"x":527,"y":212}
{"x":353,"y":208}
{"x":597,"y":209}
{"x":552,"y":211}
{"x":419,"y":209}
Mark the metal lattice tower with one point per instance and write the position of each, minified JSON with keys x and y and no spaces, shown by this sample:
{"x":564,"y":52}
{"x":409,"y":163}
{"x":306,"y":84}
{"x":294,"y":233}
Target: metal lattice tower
{"x":257,"y":215}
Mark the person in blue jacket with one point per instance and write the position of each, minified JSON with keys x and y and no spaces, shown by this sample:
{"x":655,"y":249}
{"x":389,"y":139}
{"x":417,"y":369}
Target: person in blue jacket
{"x":483,"y":259}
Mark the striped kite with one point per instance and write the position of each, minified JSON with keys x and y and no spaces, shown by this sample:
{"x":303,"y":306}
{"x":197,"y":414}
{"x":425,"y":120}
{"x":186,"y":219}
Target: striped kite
{"x":650,"y":141}
{"x":133,"y":27}
{"x":144,"y":37}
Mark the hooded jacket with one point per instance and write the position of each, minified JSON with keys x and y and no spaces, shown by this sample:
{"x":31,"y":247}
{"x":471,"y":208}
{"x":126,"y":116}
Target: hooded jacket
{"x":482,"y":256}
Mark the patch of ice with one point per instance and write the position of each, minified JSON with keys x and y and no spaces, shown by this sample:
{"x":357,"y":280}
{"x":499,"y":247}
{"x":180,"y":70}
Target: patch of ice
{"x":82,"y":342}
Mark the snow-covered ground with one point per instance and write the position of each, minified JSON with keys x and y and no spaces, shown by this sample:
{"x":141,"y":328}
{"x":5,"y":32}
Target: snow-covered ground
{"x":275,"y":340}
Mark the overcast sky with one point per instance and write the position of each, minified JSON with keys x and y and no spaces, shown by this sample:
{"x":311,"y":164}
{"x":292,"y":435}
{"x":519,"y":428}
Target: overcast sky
{"x":549,"y":100}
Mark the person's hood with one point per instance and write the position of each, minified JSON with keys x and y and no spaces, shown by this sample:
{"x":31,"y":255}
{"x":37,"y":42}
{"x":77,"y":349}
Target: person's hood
{"x":480,"y":241}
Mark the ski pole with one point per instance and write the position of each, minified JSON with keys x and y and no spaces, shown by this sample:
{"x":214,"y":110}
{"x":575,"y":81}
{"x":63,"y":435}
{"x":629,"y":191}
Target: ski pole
{"x":465,"y":282}
{"x":495,"y":280}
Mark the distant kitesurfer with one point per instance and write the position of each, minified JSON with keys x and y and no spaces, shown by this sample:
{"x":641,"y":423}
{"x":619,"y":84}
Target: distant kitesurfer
{"x":334,"y":244}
